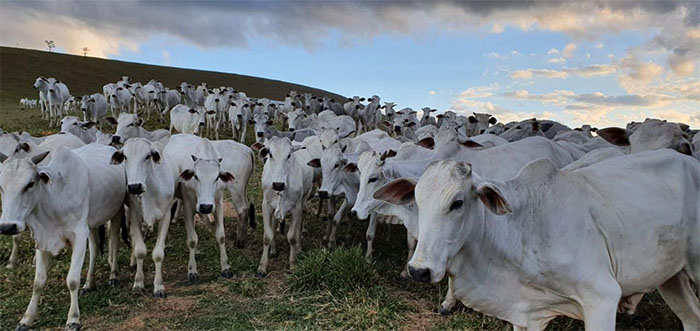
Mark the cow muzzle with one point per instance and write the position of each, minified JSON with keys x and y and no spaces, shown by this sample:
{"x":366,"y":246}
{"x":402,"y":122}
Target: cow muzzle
{"x":205,"y":208}
{"x":116,"y":140}
{"x":135,"y":189}
{"x":419,"y":274}
{"x":277,"y":186}
{"x":10,"y":229}
{"x":239,"y":115}
{"x":260,"y":134}
{"x":323,"y":194}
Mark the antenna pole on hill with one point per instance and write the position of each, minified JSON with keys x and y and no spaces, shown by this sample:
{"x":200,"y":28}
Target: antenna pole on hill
{"x":85,"y":51}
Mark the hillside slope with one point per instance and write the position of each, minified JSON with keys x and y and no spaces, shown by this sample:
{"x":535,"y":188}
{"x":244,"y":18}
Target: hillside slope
{"x":83,"y":75}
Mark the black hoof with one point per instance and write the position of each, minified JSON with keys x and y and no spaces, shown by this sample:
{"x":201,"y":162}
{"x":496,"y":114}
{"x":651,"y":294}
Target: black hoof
{"x":112,"y":282}
{"x":192,"y":278}
{"x":84,"y":291}
{"x":260,"y":274}
{"x":22,"y":327}
{"x":444,"y":312}
{"x":73,"y":327}
{"x":138,"y":289}
{"x":159,"y":294}
{"x":227,"y":273}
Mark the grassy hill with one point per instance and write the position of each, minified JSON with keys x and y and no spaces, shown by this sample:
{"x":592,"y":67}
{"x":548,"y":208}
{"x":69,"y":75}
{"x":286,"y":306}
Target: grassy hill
{"x":19,"y":68}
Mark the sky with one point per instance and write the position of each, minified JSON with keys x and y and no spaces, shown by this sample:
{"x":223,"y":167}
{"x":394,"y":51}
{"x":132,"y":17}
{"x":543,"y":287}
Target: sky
{"x":604,"y":63}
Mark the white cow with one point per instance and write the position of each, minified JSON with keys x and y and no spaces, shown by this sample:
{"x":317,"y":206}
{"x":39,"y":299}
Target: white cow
{"x":511,"y":256}
{"x":649,"y":135}
{"x":144,"y":98}
{"x":240,"y":114}
{"x":187,"y":120}
{"x":94,"y":107}
{"x":120,"y":100}
{"x":89,"y":189}
{"x":207,"y":168}
{"x":151,"y":178}
{"x":166,"y":100}
{"x":129,"y":126}
{"x":86,"y":131}
{"x":57,"y":94}
{"x":287,"y":184}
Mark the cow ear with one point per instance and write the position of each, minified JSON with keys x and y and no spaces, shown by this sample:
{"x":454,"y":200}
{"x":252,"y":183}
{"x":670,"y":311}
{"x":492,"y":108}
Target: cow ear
{"x":686,"y":148}
{"x":111,"y":120}
{"x":257,"y":146}
{"x":117,"y":158}
{"x":264,"y":152}
{"x":315,"y":163}
{"x":472,"y":119}
{"x":187,"y":174}
{"x":251,"y":122}
{"x":155,"y":156}
{"x":226,"y":177}
{"x":397,"y":192}
{"x":427,"y":142}
{"x":471,"y":144}
{"x":350,"y":167}
{"x":412,"y":124}
{"x":493,"y":120}
{"x":88,"y":124}
{"x":36,"y":159}
{"x":433,"y":110}
{"x":3,"y":157}
{"x":192,"y":111}
{"x":269,"y":122}
{"x":25,"y":147}
{"x":44,"y":177}
{"x":594,"y":129}
{"x":211,"y":112}
{"x":492,"y":198}
{"x":535,"y":126}
{"x":615,"y":136}
{"x":194,"y":158}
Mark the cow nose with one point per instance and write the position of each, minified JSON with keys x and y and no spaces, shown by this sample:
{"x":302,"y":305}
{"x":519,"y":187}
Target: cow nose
{"x":135,"y":189}
{"x":51,"y":90}
{"x":482,"y":131}
{"x":8,"y":229}
{"x":291,"y":129}
{"x":260,"y":134}
{"x":239,"y":115}
{"x":323,"y":194}
{"x":397,"y":128}
{"x":83,"y":109}
{"x":201,"y":123}
{"x":308,"y":107}
{"x":206,"y":209}
{"x":277,"y":186}
{"x":116,"y":139}
{"x":216,"y":100}
{"x":420,"y":275}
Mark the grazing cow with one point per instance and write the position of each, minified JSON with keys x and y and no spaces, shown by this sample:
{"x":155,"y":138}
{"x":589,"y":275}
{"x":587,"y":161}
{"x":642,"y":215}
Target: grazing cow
{"x":187,"y":120}
{"x":120,"y":100}
{"x":151,"y":178}
{"x":206,"y":168}
{"x":239,"y":115}
{"x":94,"y":107}
{"x":129,"y":126}
{"x":287,"y":184}
{"x":89,"y":190}
{"x":527,"y":283}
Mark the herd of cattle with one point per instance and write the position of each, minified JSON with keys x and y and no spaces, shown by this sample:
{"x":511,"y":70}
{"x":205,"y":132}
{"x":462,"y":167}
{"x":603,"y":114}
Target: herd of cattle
{"x":528,"y":220}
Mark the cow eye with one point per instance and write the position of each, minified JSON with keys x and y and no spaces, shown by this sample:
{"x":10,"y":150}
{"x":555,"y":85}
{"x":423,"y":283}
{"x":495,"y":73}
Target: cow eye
{"x":372,"y":180}
{"x":336,"y":165}
{"x":148,"y":157}
{"x":75,"y":123}
{"x":30,"y":185}
{"x":456,"y":205}
{"x":195,"y":177}
{"x":289,"y":156}
{"x":518,"y":127}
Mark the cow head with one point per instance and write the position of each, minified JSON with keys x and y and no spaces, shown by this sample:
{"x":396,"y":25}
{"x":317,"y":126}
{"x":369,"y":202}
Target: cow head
{"x":371,"y":178}
{"x":451,"y":201}
{"x":20,"y":182}
{"x":332,"y":164}
{"x":278,"y":155}
{"x":128,"y":126}
{"x":207,"y":179}
{"x":523,"y":129}
{"x":139,"y":157}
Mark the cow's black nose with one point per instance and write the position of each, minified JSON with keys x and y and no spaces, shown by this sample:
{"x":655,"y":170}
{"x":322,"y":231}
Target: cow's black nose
{"x":260,"y":134}
{"x":239,"y":116}
{"x":308,"y":107}
{"x":51,"y":90}
{"x":482,"y":131}
{"x":420,"y":275}
{"x":135,"y":188}
{"x":116,"y":139}
{"x":206,"y":209}
{"x":8,"y":229}
{"x":397,"y":128}
{"x":216,"y":100}
{"x":278,"y":186}
{"x":83,"y":109}
{"x":323,"y":194}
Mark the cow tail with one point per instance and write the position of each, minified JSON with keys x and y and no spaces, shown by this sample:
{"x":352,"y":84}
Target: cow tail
{"x":251,"y":216}
{"x":101,"y":232}
{"x":173,"y":210}
{"x":124,"y":229}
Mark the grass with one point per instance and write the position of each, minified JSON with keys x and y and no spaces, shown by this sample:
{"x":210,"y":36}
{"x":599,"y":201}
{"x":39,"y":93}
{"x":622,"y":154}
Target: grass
{"x":326,"y":290}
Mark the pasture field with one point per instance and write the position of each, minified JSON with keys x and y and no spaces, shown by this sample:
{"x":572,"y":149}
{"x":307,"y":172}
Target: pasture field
{"x":327,"y":290}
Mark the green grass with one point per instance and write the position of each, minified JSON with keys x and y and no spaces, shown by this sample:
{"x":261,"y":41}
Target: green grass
{"x":326,"y":290}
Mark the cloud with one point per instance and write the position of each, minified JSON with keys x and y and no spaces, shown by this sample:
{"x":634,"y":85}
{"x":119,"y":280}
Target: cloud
{"x":553,"y":51}
{"x":497,"y":28}
{"x":495,"y":55}
{"x":599,"y":45}
{"x":568,"y":50}
{"x":432,"y":92}
{"x":557,"y":60}
{"x":166,"y":58}
{"x":546,"y":73}
{"x":586,"y":72}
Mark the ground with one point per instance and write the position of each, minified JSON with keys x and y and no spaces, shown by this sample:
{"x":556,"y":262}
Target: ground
{"x":327,"y":290}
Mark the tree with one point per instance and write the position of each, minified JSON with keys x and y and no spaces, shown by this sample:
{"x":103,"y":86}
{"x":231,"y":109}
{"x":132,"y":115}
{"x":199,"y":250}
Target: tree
{"x":85,"y":51}
{"x":50,"y":44}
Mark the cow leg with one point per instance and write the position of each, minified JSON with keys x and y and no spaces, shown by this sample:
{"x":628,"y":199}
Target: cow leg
{"x":268,"y":238}
{"x":158,"y":254}
{"x":221,"y":238}
{"x":139,"y":250}
{"x":294,"y":234}
{"x":600,"y":306}
{"x":40,"y":273}
{"x":90,"y":279}
{"x":336,"y":222}
{"x":448,"y":304}
{"x":240,"y":203}
{"x":411,"y":243}
{"x":14,"y":256}
{"x":188,"y":208}
{"x":114,"y":228}
{"x":330,"y":209}
{"x":679,"y":295}
{"x":73,"y":280}
{"x":371,"y":231}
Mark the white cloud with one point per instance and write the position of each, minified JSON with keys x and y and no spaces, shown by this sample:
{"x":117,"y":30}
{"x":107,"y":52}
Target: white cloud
{"x":599,"y":45}
{"x":557,"y":60}
{"x":432,"y":92}
{"x":495,"y":55}
{"x":553,"y":51}
{"x":569,"y":50}
{"x":515,"y":53}
{"x":166,"y":58}
{"x":497,"y":28}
